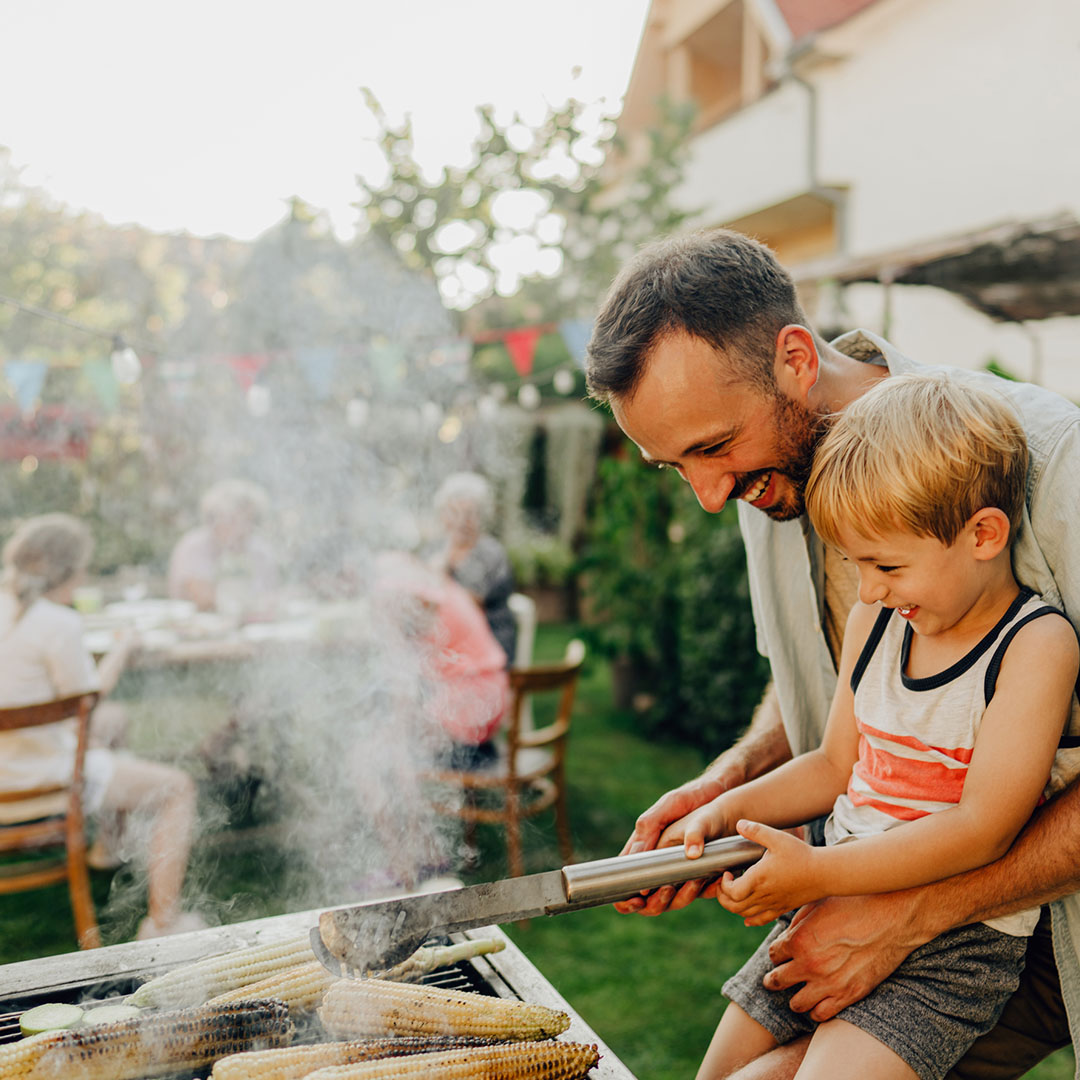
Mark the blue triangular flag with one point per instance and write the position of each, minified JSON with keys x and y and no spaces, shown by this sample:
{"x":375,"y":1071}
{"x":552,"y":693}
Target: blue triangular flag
{"x":576,"y":334}
{"x":319,"y":366}
{"x":26,"y":378}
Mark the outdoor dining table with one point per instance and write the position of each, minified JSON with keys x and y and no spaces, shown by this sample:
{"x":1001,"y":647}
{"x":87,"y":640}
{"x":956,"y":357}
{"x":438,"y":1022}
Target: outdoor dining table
{"x":169,"y":633}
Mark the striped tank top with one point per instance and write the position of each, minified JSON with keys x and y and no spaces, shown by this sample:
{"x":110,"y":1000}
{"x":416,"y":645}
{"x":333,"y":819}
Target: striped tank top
{"x":916,"y":736}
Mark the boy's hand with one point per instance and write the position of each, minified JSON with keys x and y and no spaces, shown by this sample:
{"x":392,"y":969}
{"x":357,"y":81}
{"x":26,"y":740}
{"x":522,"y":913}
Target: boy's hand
{"x":785,"y":877}
{"x":705,"y":823}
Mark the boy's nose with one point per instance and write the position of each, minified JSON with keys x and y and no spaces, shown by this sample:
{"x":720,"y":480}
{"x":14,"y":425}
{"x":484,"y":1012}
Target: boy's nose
{"x":870,"y":592}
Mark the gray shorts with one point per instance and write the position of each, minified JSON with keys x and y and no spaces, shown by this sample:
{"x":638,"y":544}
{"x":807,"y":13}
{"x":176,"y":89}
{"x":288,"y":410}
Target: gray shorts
{"x":928,"y":1012}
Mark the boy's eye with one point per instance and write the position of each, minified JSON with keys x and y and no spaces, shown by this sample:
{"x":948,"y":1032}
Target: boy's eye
{"x":888,"y":569}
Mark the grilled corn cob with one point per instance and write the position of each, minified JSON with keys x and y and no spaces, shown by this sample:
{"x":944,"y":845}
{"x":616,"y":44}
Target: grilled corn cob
{"x":430,"y":958}
{"x":302,"y":987}
{"x":215,"y":978}
{"x":294,"y":1062}
{"x":361,"y":1008}
{"x":148,"y":1045}
{"x":195,"y":983}
{"x":550,"y":1060}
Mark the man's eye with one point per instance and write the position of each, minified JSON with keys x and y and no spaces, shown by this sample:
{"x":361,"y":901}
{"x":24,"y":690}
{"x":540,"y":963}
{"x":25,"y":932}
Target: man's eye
{"x":713,"y":451}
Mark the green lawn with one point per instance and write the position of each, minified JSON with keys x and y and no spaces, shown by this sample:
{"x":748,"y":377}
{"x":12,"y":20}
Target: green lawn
{"x":649,"y":987}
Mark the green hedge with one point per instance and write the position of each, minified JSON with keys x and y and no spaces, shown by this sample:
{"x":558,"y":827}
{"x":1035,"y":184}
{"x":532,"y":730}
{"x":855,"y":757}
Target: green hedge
{"x":668,"y":601}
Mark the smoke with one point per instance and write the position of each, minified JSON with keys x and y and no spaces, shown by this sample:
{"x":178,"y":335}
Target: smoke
{"x":321,"y":741}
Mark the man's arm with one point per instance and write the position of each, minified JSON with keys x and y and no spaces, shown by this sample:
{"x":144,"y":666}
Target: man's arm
{"x":761,"y":748}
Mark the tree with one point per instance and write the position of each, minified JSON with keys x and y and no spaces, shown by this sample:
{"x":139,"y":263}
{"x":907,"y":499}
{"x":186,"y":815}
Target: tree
{"x":541,"y":193}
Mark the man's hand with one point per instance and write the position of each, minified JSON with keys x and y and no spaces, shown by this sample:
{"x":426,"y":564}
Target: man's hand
{"x":785,"y":877}
{"x":668,"y":809}
{"x":763,"y":747}
{"x":842,"y":947}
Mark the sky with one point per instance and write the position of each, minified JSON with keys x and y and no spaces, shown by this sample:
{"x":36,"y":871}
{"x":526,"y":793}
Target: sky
{"x":207,"y":115}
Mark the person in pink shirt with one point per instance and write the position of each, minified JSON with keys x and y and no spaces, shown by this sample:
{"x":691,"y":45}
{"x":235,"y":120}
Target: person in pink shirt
{"x":470,"y":688}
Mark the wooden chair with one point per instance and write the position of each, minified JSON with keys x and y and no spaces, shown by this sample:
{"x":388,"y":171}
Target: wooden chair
{"x":523,"y":608}
{"x":54,"y":819}
{"x":529,"y":775}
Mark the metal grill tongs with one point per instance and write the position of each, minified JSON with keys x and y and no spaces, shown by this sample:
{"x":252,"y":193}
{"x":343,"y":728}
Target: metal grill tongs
{"x":377,"y":935}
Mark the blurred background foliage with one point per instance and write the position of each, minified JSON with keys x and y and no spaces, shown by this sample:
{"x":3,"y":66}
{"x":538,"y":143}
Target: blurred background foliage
{"x":660,"y":585}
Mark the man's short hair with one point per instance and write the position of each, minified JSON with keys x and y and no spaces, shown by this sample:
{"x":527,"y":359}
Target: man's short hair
{"x":714,"y":284}
{"x":919,"y":453}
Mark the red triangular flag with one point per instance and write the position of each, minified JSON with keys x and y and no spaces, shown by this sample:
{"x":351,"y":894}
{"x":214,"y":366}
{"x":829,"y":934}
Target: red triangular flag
{"x":521,"y":345}
{"x":246,"y":368}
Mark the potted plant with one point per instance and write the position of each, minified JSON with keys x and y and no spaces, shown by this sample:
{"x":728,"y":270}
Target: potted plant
{"x":544,"y":570}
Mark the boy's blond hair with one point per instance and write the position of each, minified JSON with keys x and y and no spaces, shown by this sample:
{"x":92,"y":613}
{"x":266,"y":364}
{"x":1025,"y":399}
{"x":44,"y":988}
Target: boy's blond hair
{"x":919,"y":454}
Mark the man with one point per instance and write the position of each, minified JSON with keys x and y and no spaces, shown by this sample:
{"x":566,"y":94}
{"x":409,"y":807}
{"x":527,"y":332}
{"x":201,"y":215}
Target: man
{"x":710,"y":367}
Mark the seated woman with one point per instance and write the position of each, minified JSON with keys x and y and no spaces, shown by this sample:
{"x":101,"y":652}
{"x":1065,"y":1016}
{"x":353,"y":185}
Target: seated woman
{"x":42,"y":658}
{"x":469,"y":688}
{"x":226,"y":561}
{"x":474,"y":558}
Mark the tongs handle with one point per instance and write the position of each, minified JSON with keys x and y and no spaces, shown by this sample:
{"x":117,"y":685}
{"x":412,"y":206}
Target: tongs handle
{"x":622,"y":876}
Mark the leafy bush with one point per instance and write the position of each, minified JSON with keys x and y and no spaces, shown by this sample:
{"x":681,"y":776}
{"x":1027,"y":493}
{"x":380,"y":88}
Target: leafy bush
{"x":667,"y":593}
{"x":540,"y":559}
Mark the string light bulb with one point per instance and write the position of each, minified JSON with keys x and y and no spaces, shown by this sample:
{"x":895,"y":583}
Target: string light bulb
{"x":563,"y":381}
{"x":126,"y":366}
{"x":258,"y":399}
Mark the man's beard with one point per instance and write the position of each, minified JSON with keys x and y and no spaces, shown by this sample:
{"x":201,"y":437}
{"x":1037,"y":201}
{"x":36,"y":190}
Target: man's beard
{"x":798,"y":432}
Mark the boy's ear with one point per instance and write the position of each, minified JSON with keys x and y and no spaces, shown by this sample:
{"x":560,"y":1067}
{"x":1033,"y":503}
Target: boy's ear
{"x":990,"y":531}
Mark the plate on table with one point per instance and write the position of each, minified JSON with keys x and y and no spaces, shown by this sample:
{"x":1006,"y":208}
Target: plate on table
{"x":152,"y":610}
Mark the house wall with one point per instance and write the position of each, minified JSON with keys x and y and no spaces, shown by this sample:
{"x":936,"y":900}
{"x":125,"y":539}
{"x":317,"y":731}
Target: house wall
{"x":952,"y":115}
{"x":936,"y":117}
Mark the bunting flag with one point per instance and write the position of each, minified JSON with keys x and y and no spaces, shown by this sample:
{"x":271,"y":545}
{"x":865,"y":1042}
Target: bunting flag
{"x":100,"y":373}
{"x":576,"y":334}
{"x":453,"y":358}
{"x":246,"y":368}
{"x":26,"y":379}
{"x":319,"y":366}
{"x":388,"y":364}
{"x":521,"y":345}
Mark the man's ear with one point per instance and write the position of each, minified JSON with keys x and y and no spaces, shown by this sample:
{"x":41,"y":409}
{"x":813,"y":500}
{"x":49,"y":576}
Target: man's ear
{"x":990,"y":531}
{"x":796,"y":364}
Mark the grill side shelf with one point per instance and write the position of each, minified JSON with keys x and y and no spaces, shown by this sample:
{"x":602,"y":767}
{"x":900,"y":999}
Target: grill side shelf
{"x":512,"y":974}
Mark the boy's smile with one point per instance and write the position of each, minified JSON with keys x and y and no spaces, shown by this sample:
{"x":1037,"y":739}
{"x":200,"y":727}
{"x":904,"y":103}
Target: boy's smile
{"x":953,"y":590}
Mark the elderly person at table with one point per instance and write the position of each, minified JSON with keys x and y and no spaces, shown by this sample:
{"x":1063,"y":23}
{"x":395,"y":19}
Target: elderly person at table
{"x":474,"y":558}
{"x":42,"y":658}
{"x":467,"y":688}
{"x":226,"y":562}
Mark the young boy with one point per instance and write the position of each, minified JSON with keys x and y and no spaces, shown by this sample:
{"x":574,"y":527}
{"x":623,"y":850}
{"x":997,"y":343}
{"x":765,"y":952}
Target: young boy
{"x":955,"y":684}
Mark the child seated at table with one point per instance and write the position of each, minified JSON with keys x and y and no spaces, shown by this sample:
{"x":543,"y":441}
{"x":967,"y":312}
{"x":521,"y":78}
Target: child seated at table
{"x":43,"y":658}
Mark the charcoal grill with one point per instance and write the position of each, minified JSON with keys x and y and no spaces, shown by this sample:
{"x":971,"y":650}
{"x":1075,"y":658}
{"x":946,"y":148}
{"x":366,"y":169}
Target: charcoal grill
{"x":117,"y":969}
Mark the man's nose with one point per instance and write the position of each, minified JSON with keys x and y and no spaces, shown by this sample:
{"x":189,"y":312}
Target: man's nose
{"x":711,"y":486}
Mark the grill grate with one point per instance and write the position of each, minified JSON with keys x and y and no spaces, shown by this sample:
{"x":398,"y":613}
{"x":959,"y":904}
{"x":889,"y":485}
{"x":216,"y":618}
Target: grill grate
{"x":462,"y":976}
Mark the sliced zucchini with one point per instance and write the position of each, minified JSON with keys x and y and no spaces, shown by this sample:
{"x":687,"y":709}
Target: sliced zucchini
{"x":49,"y":1017}
{"x":106,"y":1014}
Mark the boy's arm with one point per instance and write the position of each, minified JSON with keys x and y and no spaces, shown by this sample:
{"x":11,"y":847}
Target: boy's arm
{"x":801,"y":789}
{"x":1009,"y":766}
